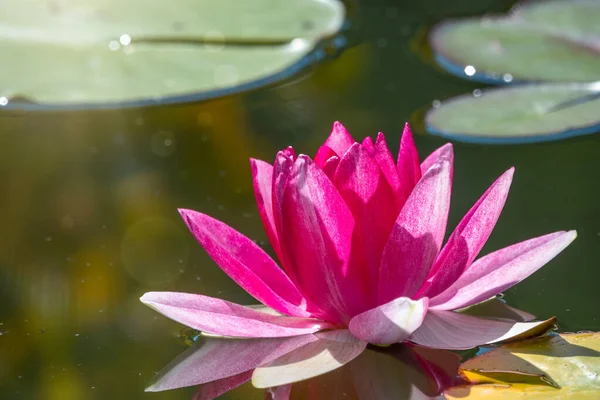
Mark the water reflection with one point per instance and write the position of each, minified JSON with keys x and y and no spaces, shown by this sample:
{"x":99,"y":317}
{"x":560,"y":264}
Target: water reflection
{"x":401,"y":371}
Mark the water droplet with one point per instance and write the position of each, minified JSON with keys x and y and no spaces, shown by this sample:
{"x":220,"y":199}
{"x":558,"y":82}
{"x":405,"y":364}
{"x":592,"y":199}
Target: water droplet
{"x":477,"y":93}
{"x":163,"y":143}
{"x":3,"y":101}
{"x":470,"y":70}
{"x":125,"y":39}
{"x":114,"y":45}
{"x":507,"y":78}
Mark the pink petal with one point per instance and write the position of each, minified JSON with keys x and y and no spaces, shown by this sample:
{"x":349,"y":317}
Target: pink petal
{"x":381,"y":153}
{"x":369,"y":197}
{"x":262,"y":176}
{"x":417,"y":234}
{"x":246,"y":263}
{"x":468,"y":238}
{"x":220,"y":317}
{"x":339,"y":140}
{"x":214,"y":389}
{"x":317,"y":237}
{"x":455,"y":331}
{"x":434,"y":157}
{"x":284,"y":162}
{"x":215,"y":359}
{"x":408,"y":166}
{"x":501,"y":270}
{"x":331,"y":166}
{"x":323,"y":154}
{"x":389,"y":323}
{"x":331,"y":351}
{"x":497,"y":308}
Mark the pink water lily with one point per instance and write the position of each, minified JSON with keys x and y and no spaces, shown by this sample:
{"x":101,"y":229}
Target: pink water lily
{"x":359,"y":237}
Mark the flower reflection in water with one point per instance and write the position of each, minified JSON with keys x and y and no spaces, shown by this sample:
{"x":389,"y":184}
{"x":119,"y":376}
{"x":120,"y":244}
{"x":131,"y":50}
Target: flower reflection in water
{"x":400,"y":371}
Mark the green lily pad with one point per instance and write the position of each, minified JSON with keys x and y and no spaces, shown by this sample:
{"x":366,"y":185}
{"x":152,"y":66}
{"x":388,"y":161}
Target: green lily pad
{"x":97,"y":53}
{"x":556,"y":41}
{"x":568,"y":363}
{"x":519,"y":114}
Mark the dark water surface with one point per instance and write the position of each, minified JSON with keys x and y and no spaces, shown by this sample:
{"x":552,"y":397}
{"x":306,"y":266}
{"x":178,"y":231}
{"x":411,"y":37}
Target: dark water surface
{"x":88,"y":205}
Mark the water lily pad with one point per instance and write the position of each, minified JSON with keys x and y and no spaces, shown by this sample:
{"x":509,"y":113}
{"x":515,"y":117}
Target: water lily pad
{"x":555,"y":41}
{"x":568,"y":363}
{"x":519,"y":114}
{"x":72,"y":53}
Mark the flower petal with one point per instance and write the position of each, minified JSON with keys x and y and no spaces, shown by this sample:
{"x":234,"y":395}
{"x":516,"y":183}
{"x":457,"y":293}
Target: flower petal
{"x":497,"y":308}
{"x":381,"y":153}
{"x":339,"y":140}
{"x":204,"y":362}
{"x":246,"y":263}
{"x":262,"y":177}
{"x":455,"y":331}
{"x":317,"y":238}
{"x":331,"y":166}
{"x":331,"y":351}
{"x":281,"y":173}
{"x":408,"y":166}
{"x":323,"y":154}
{"x":434,"y":157}
{"x":220,"y":317}
{"x":369,"y":197}
{"x":417,"y":235}
{"x":501,"y":270}
{"x":389,"y":323}
{"x":214,"y":389}
{"x":468,"y":238}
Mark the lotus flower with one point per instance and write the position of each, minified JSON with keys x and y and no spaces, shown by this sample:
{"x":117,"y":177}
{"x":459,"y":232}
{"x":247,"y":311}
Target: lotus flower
{"x":359,"y":240}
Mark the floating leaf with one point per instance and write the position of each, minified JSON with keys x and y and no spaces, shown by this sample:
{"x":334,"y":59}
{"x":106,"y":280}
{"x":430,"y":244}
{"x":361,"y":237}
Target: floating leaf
{"x":565,"y":366}
{"x":519,"y":114}
{"x":81,"y":54}
{"x":542,"y":41}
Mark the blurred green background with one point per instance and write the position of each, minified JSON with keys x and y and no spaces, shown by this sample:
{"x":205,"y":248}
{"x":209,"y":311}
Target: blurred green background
{"x":89,"y":222}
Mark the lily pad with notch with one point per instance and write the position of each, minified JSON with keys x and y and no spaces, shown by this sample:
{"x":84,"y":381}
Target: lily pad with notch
{"x":519,"y":114}
{"x":72,"y":54}
{"x":557,"y":41}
